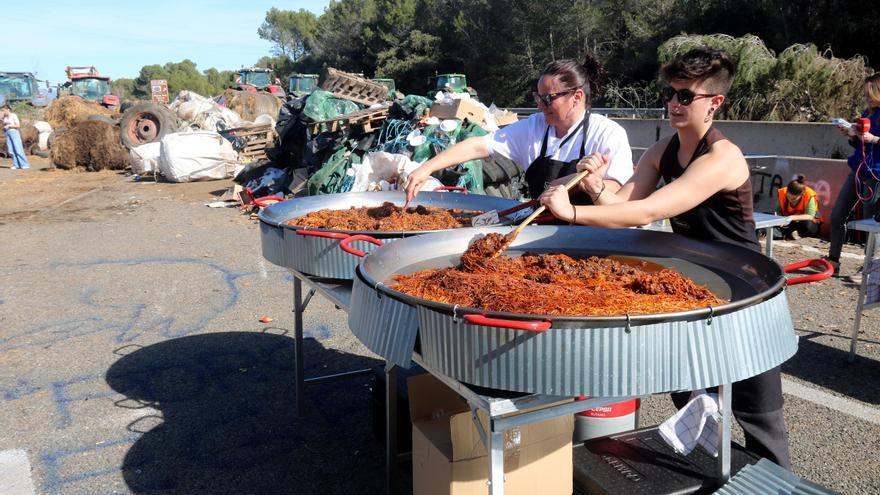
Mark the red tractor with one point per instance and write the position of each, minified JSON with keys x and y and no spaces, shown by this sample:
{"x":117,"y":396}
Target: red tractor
{"x":88,"y":84}
{"x":259,"y":80}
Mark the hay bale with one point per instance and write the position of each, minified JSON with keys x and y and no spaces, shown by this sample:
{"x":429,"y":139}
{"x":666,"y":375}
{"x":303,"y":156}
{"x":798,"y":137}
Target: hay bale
{"x":251,"y":105}
{"x":67,"y":111}
{"x":93,"y":145}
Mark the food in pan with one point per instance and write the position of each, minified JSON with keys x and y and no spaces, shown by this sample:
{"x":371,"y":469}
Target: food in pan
{"x":386,"y":218}
{"x":557,"y":284}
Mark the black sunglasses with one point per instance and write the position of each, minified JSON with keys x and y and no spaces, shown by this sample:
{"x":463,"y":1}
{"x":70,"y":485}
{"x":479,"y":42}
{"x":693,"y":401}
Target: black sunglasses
{"x":685,"y":96}
{"x":549,"y":97}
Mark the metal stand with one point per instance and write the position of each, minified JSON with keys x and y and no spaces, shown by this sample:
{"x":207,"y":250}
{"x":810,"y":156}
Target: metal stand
{"x":340,"y":296}
{"x":503,"y":412}
{"x":863,"y":304}
{"x":725,"y":399}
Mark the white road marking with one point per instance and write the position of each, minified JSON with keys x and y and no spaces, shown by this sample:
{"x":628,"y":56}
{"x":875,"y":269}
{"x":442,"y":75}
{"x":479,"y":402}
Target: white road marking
{"x":840,"y":404}
{"x":15,"y":473}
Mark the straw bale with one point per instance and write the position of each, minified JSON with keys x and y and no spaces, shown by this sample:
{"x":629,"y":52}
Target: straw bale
{"x":251,"y":105}
{"x":30,"y":139}
{"x":67,"y":111}
{"x":93,"y":145}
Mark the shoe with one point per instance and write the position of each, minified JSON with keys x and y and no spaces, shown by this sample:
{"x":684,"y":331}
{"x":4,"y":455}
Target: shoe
{"x":834,"y":264}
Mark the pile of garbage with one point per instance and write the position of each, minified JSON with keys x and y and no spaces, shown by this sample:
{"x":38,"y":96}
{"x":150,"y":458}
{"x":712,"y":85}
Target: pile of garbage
{"x":342,"y":144}
{"x":194,"y":138}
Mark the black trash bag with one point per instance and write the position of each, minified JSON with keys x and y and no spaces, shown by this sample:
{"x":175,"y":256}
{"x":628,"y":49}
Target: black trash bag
{"x":292,"y":130}
{"x":265,"y":180}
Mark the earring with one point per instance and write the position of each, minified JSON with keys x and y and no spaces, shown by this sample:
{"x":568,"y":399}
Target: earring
{"x":709,"y":115}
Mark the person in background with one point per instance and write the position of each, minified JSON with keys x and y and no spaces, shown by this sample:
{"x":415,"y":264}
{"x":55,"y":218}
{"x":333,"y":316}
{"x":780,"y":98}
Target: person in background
{"x":12,"y":127}
{"x":707,"y":195}
{"x":863,"y":181}
{"x":799,"y":203}
{"x":548,"y":144}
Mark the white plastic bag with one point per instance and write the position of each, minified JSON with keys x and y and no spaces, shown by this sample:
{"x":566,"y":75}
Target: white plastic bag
{"x":201,"y":155}
{"x":145,"y":158}
{"x":379,"y":169}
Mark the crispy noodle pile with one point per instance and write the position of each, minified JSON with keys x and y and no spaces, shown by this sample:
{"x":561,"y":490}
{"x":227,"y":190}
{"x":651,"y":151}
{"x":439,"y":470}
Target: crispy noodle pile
{"x":556,"y":284}
{"x":386,"y":218}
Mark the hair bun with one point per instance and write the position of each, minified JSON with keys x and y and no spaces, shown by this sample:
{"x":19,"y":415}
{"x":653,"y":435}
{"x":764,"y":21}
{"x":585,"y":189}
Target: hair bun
{"x":596,"y":73}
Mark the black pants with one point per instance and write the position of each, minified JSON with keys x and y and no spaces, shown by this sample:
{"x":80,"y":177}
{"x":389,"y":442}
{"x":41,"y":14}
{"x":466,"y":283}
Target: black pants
{"x":806,"y":228}
{"x":757,"y":406}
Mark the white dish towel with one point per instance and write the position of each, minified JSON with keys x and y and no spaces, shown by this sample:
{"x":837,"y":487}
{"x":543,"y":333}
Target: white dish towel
{"x":695,"y":424}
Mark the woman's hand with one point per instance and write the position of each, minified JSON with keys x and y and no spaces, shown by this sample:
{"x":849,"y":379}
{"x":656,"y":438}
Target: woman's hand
{"x":555,"y":198}
{"x":415,"y":181}
{"x":869,"y":138}
{"x":845,"y":132}
{"x":597,"y":164}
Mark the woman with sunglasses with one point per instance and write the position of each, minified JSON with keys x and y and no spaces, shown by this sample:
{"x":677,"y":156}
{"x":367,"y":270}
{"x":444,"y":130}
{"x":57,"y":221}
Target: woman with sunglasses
{"x":549,"y":144}
{"x":707,"y":195}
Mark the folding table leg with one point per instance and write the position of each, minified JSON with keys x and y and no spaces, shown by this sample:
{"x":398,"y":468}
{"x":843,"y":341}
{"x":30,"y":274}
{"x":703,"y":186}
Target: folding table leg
{"x":725,"y":399}
{"x":496,"y":461}
{"x":390,"y":426}
{"x":298,"y":347}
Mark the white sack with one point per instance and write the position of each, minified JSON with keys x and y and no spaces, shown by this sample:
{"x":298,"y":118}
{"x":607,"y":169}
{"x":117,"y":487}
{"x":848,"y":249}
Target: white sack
{"x":201,"y":155}
{"x":145,"y":158}
{"x":378,"y":169}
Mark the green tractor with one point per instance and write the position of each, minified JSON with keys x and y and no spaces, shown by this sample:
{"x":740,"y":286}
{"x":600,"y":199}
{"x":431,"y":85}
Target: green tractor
{"x":450,"y":83}
{"x":392,"y":88}
{"x":300,"y":85}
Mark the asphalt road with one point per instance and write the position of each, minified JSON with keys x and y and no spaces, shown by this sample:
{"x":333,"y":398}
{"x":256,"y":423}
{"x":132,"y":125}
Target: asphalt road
{"x":132,"y":358}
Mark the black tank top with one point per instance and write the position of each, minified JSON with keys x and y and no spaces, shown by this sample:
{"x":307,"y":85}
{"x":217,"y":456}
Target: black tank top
{"x":726,"y":215}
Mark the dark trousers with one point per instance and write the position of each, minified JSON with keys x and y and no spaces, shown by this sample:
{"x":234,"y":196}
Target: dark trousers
{"x":757,"y":407}
{"x":846,"y":201}
{"x":806,"y":228}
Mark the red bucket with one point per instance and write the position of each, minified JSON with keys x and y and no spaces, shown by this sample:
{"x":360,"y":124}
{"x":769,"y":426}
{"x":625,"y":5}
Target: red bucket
{"x":605,"y":420}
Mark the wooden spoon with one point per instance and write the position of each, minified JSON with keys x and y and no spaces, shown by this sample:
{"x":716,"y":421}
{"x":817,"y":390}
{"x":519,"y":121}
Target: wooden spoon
{"x":492,"y":245}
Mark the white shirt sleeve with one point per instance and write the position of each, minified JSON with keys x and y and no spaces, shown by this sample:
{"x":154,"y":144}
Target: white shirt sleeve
{"x":616,"y":146}
{"x":13,"y":120}
{"x":514,"y":142}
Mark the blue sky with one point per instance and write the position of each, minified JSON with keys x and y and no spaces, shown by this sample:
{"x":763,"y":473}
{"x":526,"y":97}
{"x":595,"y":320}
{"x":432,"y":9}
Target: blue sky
{"x":120,"y":37}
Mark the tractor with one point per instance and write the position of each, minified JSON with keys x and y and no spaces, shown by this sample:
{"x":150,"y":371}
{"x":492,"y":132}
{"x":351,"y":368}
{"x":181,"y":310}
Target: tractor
{"x":259,"y":80}
{"x":86,"y":83}
{"x":300,"y":85}
{"x":450,"y":83}
{"x":392,"y":88}
{"x":21,"y":86}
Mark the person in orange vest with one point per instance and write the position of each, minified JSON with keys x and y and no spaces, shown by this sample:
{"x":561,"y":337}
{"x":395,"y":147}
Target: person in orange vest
{"x":799,"y":203}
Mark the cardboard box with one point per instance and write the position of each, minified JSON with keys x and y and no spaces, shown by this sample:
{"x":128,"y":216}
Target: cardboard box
{"x":460,"y":109}
{"x":506,"y":118}
{"x":449,"y":457}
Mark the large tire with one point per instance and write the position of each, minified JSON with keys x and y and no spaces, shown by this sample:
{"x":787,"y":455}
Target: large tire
{"x":144,"y":123}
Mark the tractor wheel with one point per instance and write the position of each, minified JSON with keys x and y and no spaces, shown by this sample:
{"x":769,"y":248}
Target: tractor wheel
{"x":144,"y":123}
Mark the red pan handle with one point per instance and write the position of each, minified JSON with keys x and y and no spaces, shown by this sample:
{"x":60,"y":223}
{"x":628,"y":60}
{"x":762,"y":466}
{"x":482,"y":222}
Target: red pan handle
{"x":460,"y":189}
{"x":824,"y":265}
{"x":358,"y":237}
{"x":521,"y":206}
{"x":319,"y":233}
{"x":531,"y":326}
{"x":267,"y":201}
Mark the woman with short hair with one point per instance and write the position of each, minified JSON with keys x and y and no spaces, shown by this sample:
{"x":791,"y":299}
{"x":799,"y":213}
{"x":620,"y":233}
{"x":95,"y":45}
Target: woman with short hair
{"x":707,"y":195}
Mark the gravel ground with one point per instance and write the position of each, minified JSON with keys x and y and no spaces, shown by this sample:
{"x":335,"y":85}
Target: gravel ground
{"x":132,"y":359}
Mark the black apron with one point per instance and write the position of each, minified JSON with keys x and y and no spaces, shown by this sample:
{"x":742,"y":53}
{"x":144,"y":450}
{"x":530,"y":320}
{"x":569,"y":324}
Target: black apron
{"x":545,"y":170}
